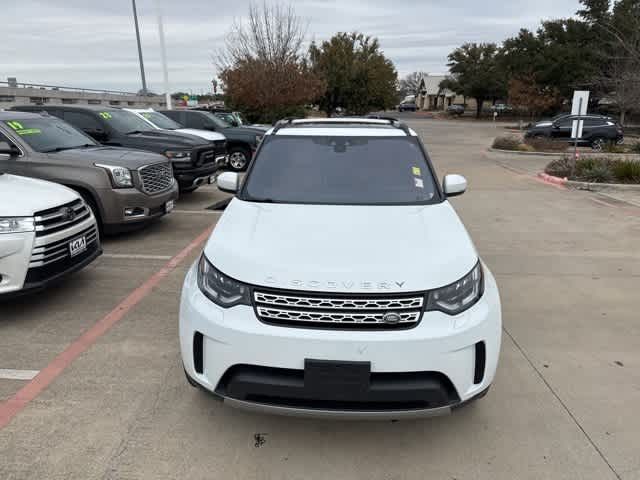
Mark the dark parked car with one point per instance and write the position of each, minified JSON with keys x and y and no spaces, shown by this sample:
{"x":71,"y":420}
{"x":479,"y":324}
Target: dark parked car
{"x":124,"y":188}
{"x":456,"y":109}
{"x":242,"y":142}
{"x":194,"y":160}
{"x":597,"y":130}
{"x":407,"y":106}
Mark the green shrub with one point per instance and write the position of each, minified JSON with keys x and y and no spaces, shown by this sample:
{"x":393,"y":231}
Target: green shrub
{"x":610,"y":147}
{"x":585,"y":164}
{"x":626,"y":171}
{"x":507,"y":143}
{"x":597,"y":173}
{"x":523,"y":147}
{"x":559,"y":168}
{"x":635,"y":148}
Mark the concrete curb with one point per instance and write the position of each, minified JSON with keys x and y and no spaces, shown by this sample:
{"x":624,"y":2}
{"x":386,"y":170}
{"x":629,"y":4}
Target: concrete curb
{"x":591,"y":186}
{"x":534,"y":154}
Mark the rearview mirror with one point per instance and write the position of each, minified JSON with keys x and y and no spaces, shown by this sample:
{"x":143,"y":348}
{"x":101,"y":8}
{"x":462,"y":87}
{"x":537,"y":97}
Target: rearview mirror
{"x":453,"y":185}
{"x":228,"y":182}
{"x":6,"y":149}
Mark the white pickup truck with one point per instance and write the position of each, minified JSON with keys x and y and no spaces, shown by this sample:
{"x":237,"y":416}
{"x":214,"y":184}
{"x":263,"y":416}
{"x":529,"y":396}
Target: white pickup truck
{"x":46,"y":232}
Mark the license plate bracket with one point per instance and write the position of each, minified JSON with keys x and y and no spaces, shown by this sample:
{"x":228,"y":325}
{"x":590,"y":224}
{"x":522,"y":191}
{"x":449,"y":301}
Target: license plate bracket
{"x":77,"y":246}
{"x":336,"y":380}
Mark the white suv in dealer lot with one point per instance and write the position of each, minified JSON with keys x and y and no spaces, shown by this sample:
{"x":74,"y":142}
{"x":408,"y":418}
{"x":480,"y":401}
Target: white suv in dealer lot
{"x":46,"y":232}
{"x":340,"y":281}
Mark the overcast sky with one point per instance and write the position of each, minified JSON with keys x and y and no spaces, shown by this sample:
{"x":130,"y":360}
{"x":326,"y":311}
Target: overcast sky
{"x":91,"y":43}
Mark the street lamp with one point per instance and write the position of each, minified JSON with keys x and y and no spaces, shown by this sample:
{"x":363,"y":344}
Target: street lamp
{"x":135,"y":20}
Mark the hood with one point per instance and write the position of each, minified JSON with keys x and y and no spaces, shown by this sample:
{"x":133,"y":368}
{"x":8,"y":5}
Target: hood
{"x":22,"y":197}
{"x":342,"y":248}
{"x":206,"y":134}
{"x":120,"y":157}
{"x":243,"y":131}
{"x":169,"y":137}
{"x":543,"y":123}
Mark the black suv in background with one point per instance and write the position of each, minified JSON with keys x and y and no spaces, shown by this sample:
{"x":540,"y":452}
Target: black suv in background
{"x":242,"y":142}
{"x":597,"y":130}
{"x":194,"y":160}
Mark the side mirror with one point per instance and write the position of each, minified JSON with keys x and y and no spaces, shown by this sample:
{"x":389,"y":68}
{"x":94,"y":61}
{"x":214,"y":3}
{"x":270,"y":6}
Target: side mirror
{"x":6,"y":149}
{"x":228,"y":182}
{"x":453,"y":185}
{"x":97,"y":133}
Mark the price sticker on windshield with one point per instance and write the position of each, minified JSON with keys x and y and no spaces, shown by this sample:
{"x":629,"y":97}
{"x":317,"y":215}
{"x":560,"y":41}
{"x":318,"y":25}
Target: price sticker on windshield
{"x":106,"y":115}
{"x":20,"y":129}
{"x":416,"y":171}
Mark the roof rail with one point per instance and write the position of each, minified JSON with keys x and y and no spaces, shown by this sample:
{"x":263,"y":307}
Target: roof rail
{"x":281,"y":123}
{"x":393,"y":121}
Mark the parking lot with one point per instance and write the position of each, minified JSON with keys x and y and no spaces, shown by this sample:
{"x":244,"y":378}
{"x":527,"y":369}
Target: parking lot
{"x":111,"y":400}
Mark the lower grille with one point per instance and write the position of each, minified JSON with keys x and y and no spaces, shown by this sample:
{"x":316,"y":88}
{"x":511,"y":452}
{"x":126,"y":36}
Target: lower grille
{"x":382,"y":312}
{"x":156,"y":178}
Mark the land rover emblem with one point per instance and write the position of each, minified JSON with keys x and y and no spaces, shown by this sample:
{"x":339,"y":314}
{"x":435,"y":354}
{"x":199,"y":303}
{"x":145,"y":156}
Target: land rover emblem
{"x":391,"y":318}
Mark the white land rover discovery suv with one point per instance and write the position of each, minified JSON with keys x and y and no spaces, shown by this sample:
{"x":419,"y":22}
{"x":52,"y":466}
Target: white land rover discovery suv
{"x":340,"y":281}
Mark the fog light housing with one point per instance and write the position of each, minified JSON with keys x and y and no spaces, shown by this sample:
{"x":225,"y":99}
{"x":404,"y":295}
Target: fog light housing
{"x":132,"y":212}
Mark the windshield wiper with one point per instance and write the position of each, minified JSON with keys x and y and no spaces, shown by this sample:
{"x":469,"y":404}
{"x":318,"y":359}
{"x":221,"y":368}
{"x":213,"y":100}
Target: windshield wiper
{"x":61,"y":149}
{"x":133,"y":132}
{"x":261,"y":200}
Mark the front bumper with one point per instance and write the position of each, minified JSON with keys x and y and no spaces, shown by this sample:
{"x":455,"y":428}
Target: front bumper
{"x":441,"y":352}
{"x":189,"y":176}
{"x":115,"y":201}
{"x":17,"y":252}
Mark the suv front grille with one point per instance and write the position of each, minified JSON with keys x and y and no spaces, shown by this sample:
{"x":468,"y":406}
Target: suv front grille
{"x":56,"y":251}
{"x":339,"y":311}
{"x":156,"y":178}
{"x":60,"y":218}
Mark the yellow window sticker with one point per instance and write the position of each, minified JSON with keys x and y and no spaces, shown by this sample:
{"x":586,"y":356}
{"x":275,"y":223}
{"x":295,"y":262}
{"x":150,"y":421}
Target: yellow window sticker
{"x":29,"y":131}
{"x":106,"y":115}
{"x":19,"y":128}
{"x":146,"y":115}
{"x":416,"y":171}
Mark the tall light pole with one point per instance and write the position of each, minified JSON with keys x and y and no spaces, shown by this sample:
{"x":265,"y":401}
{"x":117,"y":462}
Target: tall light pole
{"x":135,"y":20}
{"x":163,"y":53}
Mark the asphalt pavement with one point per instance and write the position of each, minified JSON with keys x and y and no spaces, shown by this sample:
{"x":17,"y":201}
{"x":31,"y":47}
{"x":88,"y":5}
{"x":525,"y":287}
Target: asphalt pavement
{"x":112,"y":401}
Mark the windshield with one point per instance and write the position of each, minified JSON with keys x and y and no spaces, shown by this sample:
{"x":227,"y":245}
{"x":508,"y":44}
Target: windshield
{"x":125,"y":122}
{"x":218,"y":122}
{"x":161,"y":121}
{"x":341,"y":171}
{"x":48,"y":134}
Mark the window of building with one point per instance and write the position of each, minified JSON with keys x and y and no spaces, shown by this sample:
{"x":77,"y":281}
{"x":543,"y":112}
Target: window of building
{"x":38,"y":100}
{"x":131,"y":104}
{"x":69,"y":101}
{"x":114,"y":102}
{"x":7,"y":98}
{"x":93,"y":101}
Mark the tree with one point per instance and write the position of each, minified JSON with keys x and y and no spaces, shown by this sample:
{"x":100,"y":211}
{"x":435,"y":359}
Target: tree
{"x":358,"y":76}
{"x":526,"y":94}
{"x":476,"y":72}
{"x":262,"y":66}
{"x":410,"y":84}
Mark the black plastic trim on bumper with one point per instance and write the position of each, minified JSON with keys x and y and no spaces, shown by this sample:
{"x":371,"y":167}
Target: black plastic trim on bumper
{"x":36,"y":286}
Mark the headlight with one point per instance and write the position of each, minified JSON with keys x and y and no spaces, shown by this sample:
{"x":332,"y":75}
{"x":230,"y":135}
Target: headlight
{"x":178,"y":155}
{"x":460,"y":295}
{"x":16,"y":224}
{"x":258,"y":139}
{"x":219,"y":288}
{"x":120,"y":176}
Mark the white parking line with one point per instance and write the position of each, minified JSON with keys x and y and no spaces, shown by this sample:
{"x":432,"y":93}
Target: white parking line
{"x":197,"y":212}
{"x":133,"y":256}
{"x":9,"y":374}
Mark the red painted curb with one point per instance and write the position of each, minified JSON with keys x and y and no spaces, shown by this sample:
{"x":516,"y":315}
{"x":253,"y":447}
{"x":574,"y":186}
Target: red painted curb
{"x":15,"y":404}
{"x":551,"y":179}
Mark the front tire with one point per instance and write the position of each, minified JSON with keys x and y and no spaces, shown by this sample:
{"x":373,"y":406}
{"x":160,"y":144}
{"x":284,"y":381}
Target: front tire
{"x":239,"y":159}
